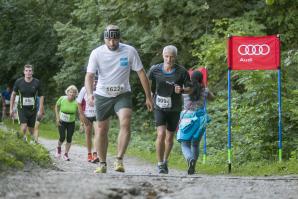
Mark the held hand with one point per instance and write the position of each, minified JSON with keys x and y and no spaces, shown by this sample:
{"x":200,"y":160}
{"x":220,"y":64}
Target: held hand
{"x":149,"y":104}
{"x":11,"y":113}
{"x":90,"y":100}
{"x":85,"y":120}
{"x":178,"y":89}
{"x":40,"y":114}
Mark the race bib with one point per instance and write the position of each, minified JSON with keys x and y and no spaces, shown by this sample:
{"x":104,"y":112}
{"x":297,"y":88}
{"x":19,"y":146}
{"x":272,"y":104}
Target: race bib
{"x":7,"y":102}
{"x":163,"y":102}
{"x":90,"y":112}
{"x":28,"y":101}
{"x":64,"y":117}
{"x":114,"y":90}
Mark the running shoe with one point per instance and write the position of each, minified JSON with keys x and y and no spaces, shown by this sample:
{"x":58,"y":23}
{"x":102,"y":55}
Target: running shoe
{"x":32,"y":142}
{"x":118,"y":166}
{"x":90,"y":158}
{"x":101,"y":169}
{"x":161,"y":169}
{"x":166,"y":167}
{"x":25,"y":138}
{"x":65,"y":157}
{"x":96,"y":160}
{"x":58,"y":152}
{"x":191,"y":167}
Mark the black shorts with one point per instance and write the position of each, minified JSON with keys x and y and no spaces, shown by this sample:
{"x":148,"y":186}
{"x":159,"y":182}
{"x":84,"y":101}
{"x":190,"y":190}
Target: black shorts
{"x":91,"y":119}
{"x":27,"y":117}
{"x":169,"y":119}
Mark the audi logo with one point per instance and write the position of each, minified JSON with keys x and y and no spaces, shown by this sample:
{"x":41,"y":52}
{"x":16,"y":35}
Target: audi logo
{"x":256,"y":49}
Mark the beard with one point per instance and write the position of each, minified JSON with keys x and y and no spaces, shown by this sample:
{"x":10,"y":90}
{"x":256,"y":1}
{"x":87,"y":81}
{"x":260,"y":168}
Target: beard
{"x":113,"y":48}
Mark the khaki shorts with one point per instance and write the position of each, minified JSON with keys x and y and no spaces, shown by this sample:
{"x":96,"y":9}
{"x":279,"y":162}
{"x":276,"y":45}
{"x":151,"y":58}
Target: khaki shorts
{"x":107,"y":106}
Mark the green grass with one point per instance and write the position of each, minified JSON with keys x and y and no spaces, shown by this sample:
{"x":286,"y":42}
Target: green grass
{"x":142,"y":145}
{"x":15,"y":153}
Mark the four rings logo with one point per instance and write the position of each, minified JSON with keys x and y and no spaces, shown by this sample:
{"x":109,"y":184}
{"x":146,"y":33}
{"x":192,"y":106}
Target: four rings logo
{"x":256,"y":49}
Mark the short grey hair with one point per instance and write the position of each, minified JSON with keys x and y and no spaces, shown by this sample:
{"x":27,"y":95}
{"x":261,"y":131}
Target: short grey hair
{"x":171,"y":49}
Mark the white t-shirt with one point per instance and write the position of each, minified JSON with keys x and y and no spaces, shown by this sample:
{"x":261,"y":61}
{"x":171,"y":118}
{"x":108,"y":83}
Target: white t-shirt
{"x":89,"y":110}
{"x":113,"y":68}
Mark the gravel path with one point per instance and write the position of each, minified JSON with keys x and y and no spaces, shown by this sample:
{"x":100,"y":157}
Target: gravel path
{"x":75,"y":179}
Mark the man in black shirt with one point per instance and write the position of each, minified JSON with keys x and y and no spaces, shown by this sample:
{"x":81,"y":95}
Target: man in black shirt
{"x":28,"y":88}
{"x":168,"y":81}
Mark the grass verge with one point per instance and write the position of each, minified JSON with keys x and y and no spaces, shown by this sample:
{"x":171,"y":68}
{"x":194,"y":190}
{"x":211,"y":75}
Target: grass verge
{"x":142,"y":146}
{"x":15,"y":153}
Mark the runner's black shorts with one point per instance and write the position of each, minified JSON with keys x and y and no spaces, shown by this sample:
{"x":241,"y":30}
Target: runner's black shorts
{"x":169,"y":119}
{"x":91,"y":119}
{"x":27,"y":116}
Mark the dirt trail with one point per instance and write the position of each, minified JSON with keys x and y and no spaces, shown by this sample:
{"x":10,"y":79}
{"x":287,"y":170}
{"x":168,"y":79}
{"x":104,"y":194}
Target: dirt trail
{"x":75,"y":179}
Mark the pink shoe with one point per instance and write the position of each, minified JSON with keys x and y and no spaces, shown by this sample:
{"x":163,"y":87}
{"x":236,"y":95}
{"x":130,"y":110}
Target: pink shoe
{"x":58,"y":152}
{"x":65,"y":157}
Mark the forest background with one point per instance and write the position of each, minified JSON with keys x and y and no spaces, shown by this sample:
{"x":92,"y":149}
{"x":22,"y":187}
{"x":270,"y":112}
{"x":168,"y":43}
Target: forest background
{"x":58,"y":36}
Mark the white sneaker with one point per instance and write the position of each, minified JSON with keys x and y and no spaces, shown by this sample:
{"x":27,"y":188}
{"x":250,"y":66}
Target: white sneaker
{"x":65,"y":157}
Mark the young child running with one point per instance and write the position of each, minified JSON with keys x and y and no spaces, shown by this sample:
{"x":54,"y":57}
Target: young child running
{"x":65,"y":109}
{"x":193,"y":121}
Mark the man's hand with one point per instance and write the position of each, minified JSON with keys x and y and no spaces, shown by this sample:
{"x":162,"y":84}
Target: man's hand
{"x":40,"y":113}
{"x":178,"y":89}
{"x":90,"y":100}
{"x":149,"y":104}
{"x":11,"y":113}
{"x":84,"y":119}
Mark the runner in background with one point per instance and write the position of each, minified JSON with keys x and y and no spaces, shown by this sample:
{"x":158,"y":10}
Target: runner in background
{"x":88,"y":118}
{"x":65,"y":110}
{"x":28,"y":88}
{"x":5,"y":95}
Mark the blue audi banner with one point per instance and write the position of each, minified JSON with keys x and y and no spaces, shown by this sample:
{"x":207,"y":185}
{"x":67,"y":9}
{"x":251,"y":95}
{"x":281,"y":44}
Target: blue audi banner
{"x":254,"y":52}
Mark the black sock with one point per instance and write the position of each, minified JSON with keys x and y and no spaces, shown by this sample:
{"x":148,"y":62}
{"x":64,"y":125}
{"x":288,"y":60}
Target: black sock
{"x":103,"y":163}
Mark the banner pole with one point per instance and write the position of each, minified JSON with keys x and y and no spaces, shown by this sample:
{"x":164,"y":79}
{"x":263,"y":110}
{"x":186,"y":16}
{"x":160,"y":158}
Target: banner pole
{"x":229,"y":121}
{"x":205,"y":134}
{"x":279,"y":117}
